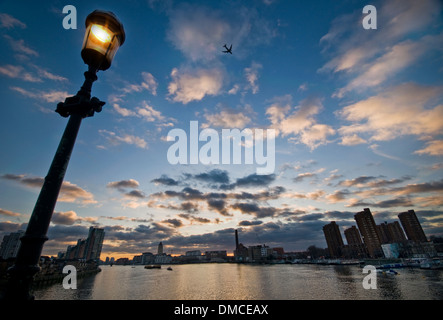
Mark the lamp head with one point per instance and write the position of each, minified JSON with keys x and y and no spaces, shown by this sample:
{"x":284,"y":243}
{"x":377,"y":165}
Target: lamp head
{"x":104,"y":35}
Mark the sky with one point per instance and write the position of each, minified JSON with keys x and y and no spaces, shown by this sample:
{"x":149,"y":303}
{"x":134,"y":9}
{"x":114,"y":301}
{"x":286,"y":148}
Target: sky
{"x":357,"y":115}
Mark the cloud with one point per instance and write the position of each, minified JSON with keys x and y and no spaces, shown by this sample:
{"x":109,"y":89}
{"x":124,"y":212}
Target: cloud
{"x":354,"y":49}
{"x":115,"y":140}
{"x":64,"y":234}
{"x":352,"y":140}
{"x":148,"y":83}
{"x":246,"y":223}
{"x":135,"y":194}
{"x":11,"y":176}
{"x":392,"y":203}
{"x":19,"y":46}
{"x":406,"y":109}
{"x":408,"y":195}
{"x":176,"y":223}
{"x":255,"y":210}
{"x":7,"y":21}
{"x":425,"y":187}
{"x":131,"y":198}
{"x":220,"y":202}
{"x":218,"y":205}
{"x":9,"y":213}
{"x":194,"y":85}
{"x":229,"y":118}
{"x":194,"y":218}
{"x":148,"y":113}
{"x":17,"y":72}
{"x":251,"y":74}
{"x":359,"y":181}
{"x":367,"y":60}
{"x":255,"y":180}
{"x":50,"y":96}
{"x":65,"y":218}
{"x":433,"y":148}
{"x":213,"y":176}
{"x":301,"y":124}
{"x":338,"y":196}
{"x":397,"y":58}
{"x":165,"y":180}
{"x":123,"y":111}
{"x":8,"y":227}
{"x":123,"y":184}
{"x":69,"y":192}
{"x":384,"y":183}
{"x":304,"y":175}
{"x":199,"y":32}
{"x":45,"y":74}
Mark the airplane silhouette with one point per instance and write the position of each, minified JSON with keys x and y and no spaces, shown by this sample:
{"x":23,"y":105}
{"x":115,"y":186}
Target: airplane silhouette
{"x":228,"y":50}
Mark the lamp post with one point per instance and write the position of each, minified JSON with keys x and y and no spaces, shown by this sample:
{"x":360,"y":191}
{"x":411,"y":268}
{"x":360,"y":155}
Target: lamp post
{"x":104,"y":35}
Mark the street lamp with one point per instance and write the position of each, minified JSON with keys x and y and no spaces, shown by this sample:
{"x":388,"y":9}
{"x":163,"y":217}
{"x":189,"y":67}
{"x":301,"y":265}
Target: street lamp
{"x":104,"y":35}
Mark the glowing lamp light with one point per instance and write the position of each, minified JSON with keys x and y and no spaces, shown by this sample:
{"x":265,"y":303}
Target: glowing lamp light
{"x":101,"y":33}
{"x":104,"y":35}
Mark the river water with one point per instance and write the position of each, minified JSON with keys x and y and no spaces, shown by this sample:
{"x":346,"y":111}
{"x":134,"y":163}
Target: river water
{"x":248,"y":282}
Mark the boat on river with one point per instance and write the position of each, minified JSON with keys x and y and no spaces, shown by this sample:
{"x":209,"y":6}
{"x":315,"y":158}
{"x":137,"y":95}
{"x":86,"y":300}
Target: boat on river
{"x":153,"y":266}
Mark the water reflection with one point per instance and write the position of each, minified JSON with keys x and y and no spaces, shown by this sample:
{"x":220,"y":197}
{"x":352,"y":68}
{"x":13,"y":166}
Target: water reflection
{"x":247,"y":282}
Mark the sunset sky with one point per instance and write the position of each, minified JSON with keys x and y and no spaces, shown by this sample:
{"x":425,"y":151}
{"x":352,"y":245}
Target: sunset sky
{"x":358,"y":117}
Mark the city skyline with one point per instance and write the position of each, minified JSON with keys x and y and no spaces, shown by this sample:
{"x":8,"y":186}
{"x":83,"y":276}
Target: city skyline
{"x":358,"y":117}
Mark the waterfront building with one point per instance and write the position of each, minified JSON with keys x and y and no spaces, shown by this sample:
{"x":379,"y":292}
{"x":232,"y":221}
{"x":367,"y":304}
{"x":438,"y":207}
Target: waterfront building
{"x":412,"y":226}
{"x":122,"y":261}
{"x":355,"y":248}
{"x":137,"y":259}
{"x":219,"y":255}
{"x":278,"y":252}
{"x":334,"y":239}
{"x":10,"y":245}
{"x":162,"y":259}
{"x":390,"y":232}
{"x":368,"y":230}
{"x":259,"y":253}
{"x":383,"y":233}
{"x":353,"y":236}
{"x":147,"y":258}
{"x":193,"y":253}
{"x":87,"y":249}
{"x":396,"y":232}
{"x":94,"y":244}
{"x":160,"y":248}
{"x":241,"y":252}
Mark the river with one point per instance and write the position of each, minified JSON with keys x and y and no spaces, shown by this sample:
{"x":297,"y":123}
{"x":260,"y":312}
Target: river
{"x":227,"y":281}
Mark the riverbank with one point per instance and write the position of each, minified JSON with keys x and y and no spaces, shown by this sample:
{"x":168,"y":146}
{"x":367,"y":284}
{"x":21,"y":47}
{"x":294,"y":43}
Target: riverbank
{"x":51,"y":271}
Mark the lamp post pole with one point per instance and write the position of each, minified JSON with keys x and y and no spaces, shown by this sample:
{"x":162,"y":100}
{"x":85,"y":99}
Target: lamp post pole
{"x":104,"y":35}
{"x":26,"y":265}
